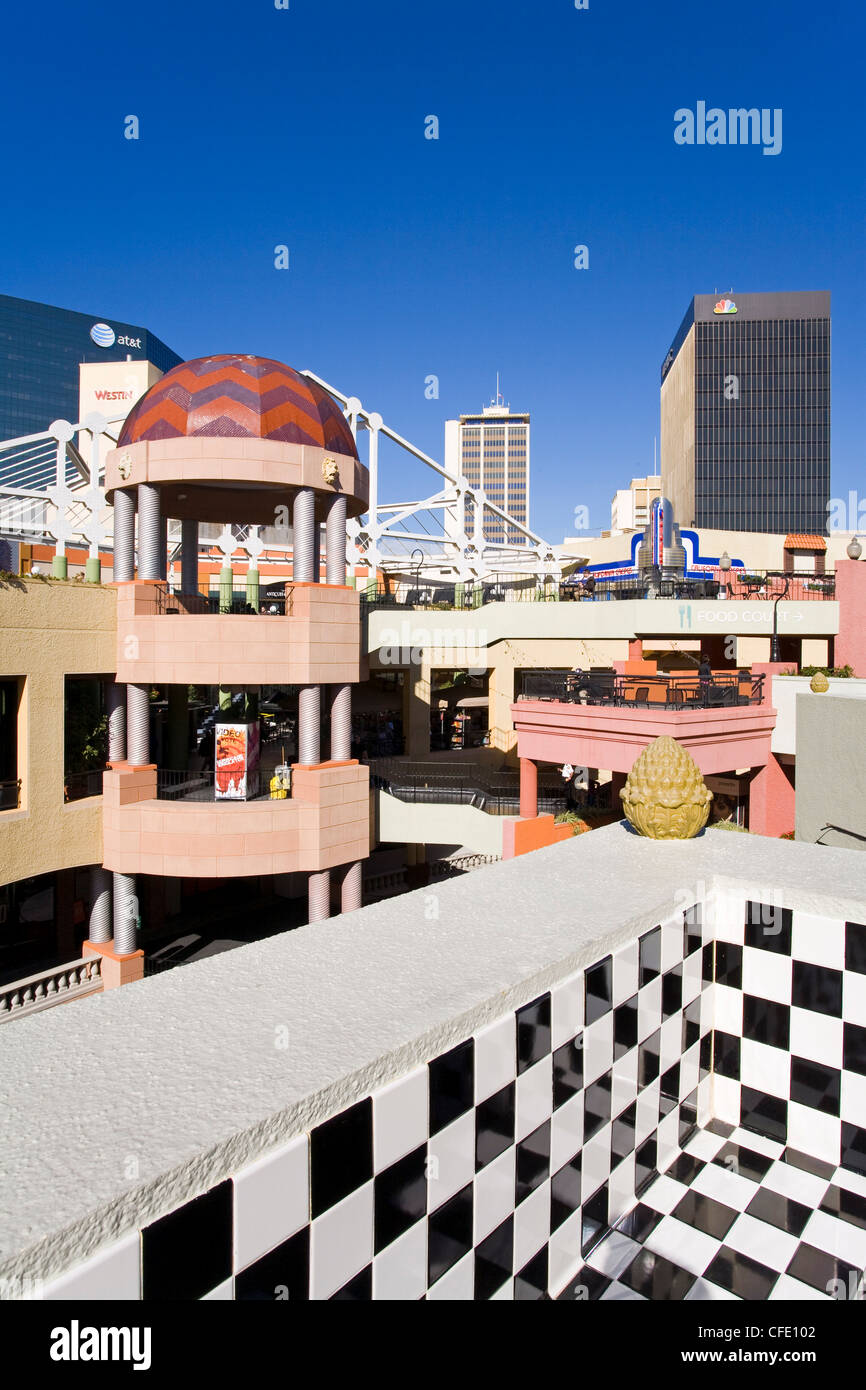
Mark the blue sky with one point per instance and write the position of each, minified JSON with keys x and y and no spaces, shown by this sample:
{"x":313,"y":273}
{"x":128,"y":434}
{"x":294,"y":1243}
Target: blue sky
{"x":411,"y":257}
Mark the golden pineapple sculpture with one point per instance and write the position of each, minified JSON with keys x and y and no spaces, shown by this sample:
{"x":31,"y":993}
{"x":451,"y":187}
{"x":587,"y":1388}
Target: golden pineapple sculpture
{"x":665,"y":796}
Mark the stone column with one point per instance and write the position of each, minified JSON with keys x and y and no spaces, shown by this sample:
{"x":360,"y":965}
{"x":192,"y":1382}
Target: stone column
{"x":351,"y":889}
{"x":309,"y":749}
{"x":528,"y":788}
{"x":100,"y":930}
{"x":305,"y":570}
{"x":150,"y":533}
{"x":227,"y":588}
{"x":335,"y":541}
{"x":124,"y":535}
{"x":115,"y":699}
{"x":341,"y":723}
{"x":138,"y":724}
{"x":416,"y":716}
{"x":189,"y":557}
{"x":305,"y":558}
{"x":125,"y":914}
{"x":319,"y":896}
{"x":252,"y":588}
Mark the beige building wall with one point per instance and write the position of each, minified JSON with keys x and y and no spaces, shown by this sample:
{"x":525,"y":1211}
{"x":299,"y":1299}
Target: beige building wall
{"x":110,"y":389}
{"x":49,"y":630}
{"x":630,"y":506}
{"x":678,"y":432}
{"x":751,"y":649}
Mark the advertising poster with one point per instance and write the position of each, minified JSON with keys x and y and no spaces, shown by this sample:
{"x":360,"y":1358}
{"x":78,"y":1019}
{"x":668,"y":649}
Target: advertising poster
{"x":236,"y":761}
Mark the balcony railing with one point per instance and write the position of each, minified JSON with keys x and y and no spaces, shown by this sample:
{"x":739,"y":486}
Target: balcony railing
{"x":179,"y":785}
{"x":680,"y":692}
{"x":773,"y":584}
{"x":497,"y":794}
{"x":271,"y":604}
{"x":739,"y":585}
{"x":50,"y":987}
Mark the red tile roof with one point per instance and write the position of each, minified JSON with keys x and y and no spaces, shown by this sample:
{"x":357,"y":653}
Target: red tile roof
{"x":803,"y":542}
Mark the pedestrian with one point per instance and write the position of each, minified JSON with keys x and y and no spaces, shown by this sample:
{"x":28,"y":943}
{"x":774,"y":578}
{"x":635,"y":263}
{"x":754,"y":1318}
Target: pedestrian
{"x":705,"y":676}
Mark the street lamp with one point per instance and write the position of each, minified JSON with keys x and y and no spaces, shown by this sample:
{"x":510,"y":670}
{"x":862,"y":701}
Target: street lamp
{"x":725,"y":566}
{"x":854,"y":549}
{"x":774,"y":645}
{"x":420,"y":553}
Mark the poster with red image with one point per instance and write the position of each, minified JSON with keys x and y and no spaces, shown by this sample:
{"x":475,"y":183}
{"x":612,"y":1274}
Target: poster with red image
{"x":232,"y":764}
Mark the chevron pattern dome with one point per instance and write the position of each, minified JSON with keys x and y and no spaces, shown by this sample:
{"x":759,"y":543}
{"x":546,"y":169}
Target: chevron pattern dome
{"x":230,"y":397}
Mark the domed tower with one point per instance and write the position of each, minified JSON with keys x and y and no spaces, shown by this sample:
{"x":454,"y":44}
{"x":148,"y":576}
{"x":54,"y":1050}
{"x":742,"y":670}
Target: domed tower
{"x":234,"y":440}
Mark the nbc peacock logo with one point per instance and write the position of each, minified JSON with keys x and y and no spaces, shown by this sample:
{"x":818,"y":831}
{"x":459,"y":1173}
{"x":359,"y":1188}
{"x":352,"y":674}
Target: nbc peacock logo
{"x":725,"y":306}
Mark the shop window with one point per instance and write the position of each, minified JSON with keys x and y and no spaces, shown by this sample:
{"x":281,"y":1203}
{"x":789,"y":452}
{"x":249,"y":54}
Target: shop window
{"x":10,"y":785}
{"x":85,"y":736}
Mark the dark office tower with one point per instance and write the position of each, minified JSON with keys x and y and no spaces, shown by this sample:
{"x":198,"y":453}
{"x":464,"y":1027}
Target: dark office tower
{"x":40,"y":351}
{"x":745,"y":413}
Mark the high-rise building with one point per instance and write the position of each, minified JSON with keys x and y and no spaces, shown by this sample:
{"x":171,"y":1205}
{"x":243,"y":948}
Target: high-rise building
{"x":630,"y":508}
{"x":41,"y":349}
{"x":491,"y":450}
{"x":745,"y":413}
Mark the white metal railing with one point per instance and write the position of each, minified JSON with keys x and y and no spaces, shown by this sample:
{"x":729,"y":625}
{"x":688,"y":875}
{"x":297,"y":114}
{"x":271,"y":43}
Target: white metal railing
{"x":50,"y":987}
{"x":48,"y":491}
{"x":446,"y":530}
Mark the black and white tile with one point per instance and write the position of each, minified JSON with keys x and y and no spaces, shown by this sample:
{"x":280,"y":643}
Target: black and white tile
{"x":735,"y":1217}
{"x":684,"y":1119}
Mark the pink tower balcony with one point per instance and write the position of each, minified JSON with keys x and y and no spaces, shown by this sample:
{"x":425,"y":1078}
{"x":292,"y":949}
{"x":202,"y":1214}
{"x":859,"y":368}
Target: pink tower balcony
{"x":171,"y":639}
{"x":324,"y":823}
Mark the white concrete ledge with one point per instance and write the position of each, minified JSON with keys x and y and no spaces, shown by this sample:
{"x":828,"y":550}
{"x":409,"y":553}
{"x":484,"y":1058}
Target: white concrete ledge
{"x":621,"y":618}
{"x":118,"y":1108}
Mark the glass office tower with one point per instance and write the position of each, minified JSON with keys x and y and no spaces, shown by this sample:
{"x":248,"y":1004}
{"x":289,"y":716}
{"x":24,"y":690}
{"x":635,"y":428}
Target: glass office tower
{"x":745,"y":413}
{"x":40,"y":349}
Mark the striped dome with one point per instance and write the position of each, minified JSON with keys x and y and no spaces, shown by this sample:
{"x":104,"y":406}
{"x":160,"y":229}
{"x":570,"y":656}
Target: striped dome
{"x":229,"y":397}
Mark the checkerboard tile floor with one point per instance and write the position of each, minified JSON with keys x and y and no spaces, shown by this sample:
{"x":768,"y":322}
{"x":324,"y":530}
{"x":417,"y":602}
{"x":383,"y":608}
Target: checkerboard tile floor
{"x":736,"y":1216}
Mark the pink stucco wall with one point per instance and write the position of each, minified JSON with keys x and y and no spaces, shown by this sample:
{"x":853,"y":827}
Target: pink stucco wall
{"x":719,"y":740}
{"x":316,"y":642}
{"x":850,"y":642}
{"x":324,"y":823}
{"x":771,"y":799}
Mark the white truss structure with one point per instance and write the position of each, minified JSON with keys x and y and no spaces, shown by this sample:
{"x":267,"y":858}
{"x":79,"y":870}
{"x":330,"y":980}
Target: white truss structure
{"x":50,"y":493}
{"x":386,"y":539}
